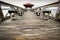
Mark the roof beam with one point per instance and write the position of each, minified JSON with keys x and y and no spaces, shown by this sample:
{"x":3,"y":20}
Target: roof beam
{"x":4,"y":3}
{"x":51,"y":4}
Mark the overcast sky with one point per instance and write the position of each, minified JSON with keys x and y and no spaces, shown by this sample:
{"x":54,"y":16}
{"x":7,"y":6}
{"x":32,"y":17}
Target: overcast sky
{"x":36,"y":3}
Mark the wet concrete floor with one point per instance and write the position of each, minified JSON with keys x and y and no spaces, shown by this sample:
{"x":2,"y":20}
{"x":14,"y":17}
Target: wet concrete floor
{"x":29,"y":27}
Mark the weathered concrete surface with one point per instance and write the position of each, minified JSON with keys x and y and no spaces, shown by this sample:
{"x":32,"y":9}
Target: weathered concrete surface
{"x":30,"y":27}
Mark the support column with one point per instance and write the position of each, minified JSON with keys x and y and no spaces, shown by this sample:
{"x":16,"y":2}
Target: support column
{"x":26,"y":8}
{"x":44,"y":9}
{"x":43,"y":15}
{"x":58,"y":13}
{"x":11,"y":13}
{"x":31,"y":8}
{"x":1,"y":14}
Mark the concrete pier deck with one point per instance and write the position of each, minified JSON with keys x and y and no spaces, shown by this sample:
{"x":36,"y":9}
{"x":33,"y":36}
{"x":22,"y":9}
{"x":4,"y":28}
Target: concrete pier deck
{"x":30,"y":27}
